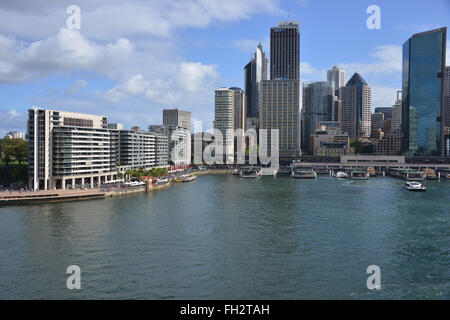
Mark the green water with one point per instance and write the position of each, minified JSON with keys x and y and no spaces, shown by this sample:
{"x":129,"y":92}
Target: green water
{"x":224,"y":237}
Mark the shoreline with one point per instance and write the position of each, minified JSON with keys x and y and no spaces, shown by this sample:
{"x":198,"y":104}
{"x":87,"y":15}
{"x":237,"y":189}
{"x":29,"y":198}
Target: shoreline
{"x":51,"y":196}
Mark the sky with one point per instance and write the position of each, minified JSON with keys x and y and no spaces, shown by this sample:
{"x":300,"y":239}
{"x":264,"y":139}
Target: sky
{"x":131,"y":59}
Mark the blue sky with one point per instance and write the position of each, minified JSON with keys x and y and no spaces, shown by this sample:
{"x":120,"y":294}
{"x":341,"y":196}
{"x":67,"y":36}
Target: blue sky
{"x":131,"y":59}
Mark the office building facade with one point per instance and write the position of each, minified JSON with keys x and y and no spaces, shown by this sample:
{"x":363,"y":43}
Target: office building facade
{"x":318,"y":106}
{"x":178,"y":142}
{"x":397,"y":112}
{"x":337,"y":77}
{"x":224,"y":120}
{"x":254,"y":72}
{"x":447,"y":95}
{"x":422,"y":98}
{"x":142,"y":149}
{"x":285,"y":51}
{"x":280,"y":109}
{"x":68,"y":149}
{"x":386,"y":111}
{"x":356,"y":107}
{"x":177,"y":117}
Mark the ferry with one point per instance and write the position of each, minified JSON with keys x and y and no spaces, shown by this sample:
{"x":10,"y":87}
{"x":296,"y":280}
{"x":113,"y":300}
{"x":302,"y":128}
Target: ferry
{"x":430,"y":174}
{"x":189,"y":178}
{"x":162,"y":182}
{"x":414,"y":186}
{"x":285,"y":171}
{"x":371,"y":172}
{"x":358,"y":175}
{"x":186,"y":178}
{"x":134,"y":184}
{"x":304,"y":173}
{"x":341,"y":175}
{"x":250,"y":172}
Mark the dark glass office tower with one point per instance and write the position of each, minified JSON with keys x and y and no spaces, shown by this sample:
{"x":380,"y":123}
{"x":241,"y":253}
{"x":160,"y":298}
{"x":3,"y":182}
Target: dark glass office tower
{"x":423,"y":98}
{"x":318,"y":106}
{"x":356,"y":107}
{"x":285,"y":51}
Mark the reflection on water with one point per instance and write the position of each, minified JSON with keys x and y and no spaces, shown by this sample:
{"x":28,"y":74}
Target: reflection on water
{"x":225,"y":237}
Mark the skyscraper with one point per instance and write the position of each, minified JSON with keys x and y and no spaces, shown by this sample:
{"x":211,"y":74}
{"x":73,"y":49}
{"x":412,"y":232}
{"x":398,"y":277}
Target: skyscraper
{"x":239,"y":116}
{"x":423,"y":98}
{"x":177,"y":117}
{"x":174,"y":121}
{"x":254,"y":72}
{"x":224,"y":120}
{"x":280,"y":109}
{"x":447,"y":95}
{"x":397,"y":112}
{"x":356,"y":105}
{"x":386,"y":111}
{"x":239,"y":108}
{"x":337,"y":76}
{"x":318,"y":106}
{"x":285,"y":51}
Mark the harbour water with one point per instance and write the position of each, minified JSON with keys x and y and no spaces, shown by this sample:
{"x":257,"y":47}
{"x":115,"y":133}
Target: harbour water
{"x":225,"y":237}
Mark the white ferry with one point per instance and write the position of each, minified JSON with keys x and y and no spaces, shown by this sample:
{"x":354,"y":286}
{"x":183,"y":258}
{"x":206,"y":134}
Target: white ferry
{"x":341,"y":175}
{"x":415,"y":186}
{"x":134,"y":184}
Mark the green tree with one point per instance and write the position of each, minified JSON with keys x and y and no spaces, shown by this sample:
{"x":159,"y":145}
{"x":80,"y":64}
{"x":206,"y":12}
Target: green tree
{"x":16,"y":149}
{"x":6,"y":159}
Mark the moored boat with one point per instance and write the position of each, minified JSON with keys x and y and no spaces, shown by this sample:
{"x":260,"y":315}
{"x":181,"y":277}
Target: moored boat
{"x":161,"y":182}
{"x":134,"y":184}
{"x":189,"y":178}
{"x":430,"y":174}
{"x":235,"y":172}
{"x":304,"y":173}
{"x":250,"y":172}
{"x":358,"y":175}
{"x":284,"y":171}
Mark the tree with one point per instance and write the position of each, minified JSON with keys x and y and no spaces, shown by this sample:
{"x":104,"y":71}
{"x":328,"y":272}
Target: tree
{"x":15,"y":149}
{"x":6,"y":159}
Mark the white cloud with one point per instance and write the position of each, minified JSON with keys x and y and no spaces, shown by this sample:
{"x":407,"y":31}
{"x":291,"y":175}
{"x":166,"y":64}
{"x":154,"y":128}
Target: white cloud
{"x":383,"y":96}
{"x":193,"y":75}
{"x":247,"y":45}
{"x":387,"y":61}
{"x":310,"y":73}
{"x":110,"y":19}
{"x":76,"y":87}
{"x":12,"y":120}
{"x":68,"y":50}
{"x":133,"y":45}
{"x":188,"y":79}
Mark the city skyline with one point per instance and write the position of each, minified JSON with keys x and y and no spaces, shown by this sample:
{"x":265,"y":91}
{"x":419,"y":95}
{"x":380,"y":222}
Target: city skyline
{"x":44,"y":66}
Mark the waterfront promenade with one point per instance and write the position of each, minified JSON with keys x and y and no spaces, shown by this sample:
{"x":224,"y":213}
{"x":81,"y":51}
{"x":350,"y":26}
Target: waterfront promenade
{"x":58,"y":195}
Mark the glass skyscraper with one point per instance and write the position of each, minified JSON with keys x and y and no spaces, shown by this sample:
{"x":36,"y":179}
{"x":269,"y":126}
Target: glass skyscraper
{"x":285,"y":51}
{"x":422,"y":98}
{"x":356,"y":107}
{"x":318,"y":106}
{"x":254,"y":72}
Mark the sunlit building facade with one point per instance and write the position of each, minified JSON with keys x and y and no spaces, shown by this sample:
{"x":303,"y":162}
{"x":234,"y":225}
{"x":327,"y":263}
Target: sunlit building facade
{"x":423,"y":98}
